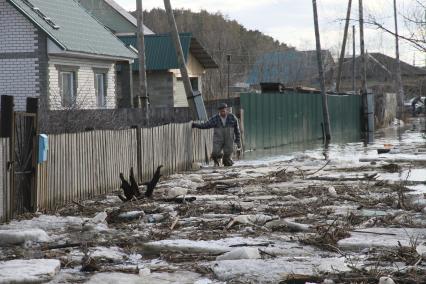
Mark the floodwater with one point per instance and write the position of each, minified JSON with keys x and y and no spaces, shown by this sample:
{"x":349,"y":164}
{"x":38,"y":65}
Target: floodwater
{"x":347,"y":149}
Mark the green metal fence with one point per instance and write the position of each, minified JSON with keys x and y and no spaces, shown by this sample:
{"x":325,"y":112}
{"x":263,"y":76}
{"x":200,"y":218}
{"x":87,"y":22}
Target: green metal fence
{"x":276,"y":119}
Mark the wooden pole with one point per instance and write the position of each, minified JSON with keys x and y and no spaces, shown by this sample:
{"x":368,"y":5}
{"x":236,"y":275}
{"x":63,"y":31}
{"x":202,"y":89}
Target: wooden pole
{"x":143,"y":92}
{"x":326,"y":115}
{"x":353,"y":60}
{"x":32,"y":107}
{"x":363,"y":68}
{"x":342,"y":53}
{"x":181,"y":59}
{"x":398,"y":78}
{"x":228,"y":60}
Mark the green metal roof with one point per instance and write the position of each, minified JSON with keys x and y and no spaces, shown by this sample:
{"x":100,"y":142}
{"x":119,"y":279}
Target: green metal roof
{"x":72,"y":28}
{"x":160,"y":52}
{"x":112,"y":15}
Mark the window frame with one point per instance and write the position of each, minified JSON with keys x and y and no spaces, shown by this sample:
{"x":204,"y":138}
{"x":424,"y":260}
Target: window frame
{"x":104,"y":73}
{"x":73,"y":70}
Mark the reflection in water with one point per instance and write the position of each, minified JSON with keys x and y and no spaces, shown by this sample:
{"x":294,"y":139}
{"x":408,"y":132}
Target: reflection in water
{"x":346,"y":148}
{"x":326,"y":151}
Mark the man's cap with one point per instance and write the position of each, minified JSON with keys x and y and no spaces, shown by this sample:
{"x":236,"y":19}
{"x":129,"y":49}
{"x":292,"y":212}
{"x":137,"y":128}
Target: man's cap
{"x":222,"y":106}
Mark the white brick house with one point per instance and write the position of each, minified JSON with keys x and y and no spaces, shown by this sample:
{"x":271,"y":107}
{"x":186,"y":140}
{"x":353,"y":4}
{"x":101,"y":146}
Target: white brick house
{"x":56,"y":51}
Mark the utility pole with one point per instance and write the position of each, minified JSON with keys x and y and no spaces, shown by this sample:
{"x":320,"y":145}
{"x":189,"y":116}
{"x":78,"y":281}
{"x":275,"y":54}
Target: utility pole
{"x":367,"y":99}
{"x":326,"y":116}
{"x":362,"y":47}
{"x":398,"y":81}
{"x":353,"y":60}
{"x":143,"y":92}
{"x":198,"y":113}
{"x":342,"y":53}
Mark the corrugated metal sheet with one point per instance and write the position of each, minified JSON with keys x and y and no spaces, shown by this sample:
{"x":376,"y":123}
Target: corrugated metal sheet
{"x":160,"y":52}
{"x":276,"y":119}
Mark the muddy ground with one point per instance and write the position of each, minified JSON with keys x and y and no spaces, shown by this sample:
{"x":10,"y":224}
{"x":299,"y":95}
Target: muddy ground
{"x":344,"y":214}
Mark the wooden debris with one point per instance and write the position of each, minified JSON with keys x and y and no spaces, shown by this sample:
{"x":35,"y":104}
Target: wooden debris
{"x":174,"y":223}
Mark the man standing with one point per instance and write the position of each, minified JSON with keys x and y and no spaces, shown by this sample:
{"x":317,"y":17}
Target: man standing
{"x":226,"y":132}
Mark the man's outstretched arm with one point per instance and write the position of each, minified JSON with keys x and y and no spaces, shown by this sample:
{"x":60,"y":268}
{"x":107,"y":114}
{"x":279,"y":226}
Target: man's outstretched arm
{"x":211,"y":123}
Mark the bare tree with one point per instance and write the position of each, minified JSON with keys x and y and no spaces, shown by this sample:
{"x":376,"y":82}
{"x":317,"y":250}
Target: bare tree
{"x":415,"y":23}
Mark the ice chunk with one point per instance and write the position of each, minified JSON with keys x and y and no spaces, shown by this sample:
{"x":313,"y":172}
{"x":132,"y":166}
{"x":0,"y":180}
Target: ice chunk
{"x":144,"y":272}
{"x":46,"y":222}
{"x":386,"y":280}
{"x":381,"y":238}
{"x":332,"y":191}
{"x":181,"y":277}
{"x":28,"y":271}
{"x":240,"y":253}
{"x":114,"y":278}
{"x":275,"y":270}
{"x":289,"y":225}
{"x":114,"y":254}
{"x":258,"y":219}
{"x":16,"y":237}
{"x":99,"y":218}
{"x":175,"y":192}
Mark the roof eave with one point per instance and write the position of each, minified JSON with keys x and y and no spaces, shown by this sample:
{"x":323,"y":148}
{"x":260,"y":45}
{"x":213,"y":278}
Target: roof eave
{"x":200,"y":53}
{"x":129,"y":17}
{"x":78,"y":54}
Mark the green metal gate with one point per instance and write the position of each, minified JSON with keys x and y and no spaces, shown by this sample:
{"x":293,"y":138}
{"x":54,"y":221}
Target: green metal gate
{"x":276,"y":119}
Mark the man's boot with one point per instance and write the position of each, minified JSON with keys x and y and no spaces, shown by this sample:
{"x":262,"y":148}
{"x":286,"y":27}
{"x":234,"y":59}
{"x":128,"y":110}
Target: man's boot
{"x":216,"y":160}
{"x":227,"y":162}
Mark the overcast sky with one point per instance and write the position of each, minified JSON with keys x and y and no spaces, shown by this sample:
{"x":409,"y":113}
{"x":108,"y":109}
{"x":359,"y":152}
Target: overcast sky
{"x":291,"y":21}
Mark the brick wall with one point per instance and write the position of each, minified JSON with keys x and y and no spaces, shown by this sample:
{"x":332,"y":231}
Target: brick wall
{"x":19,"y":59}
{"x":85,"y":94}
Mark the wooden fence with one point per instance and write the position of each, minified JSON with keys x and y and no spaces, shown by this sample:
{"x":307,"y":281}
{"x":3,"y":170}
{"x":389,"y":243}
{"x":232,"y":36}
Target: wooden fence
{"x":5,"y":204}
{"x":82,"y":165}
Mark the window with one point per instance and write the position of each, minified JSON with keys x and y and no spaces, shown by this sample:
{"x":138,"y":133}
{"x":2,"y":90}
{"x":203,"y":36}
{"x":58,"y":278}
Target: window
{"x":194,"y":83}
{"x":68,"y":85}
{"x":67,"y":88}
{"x":100,"y":87}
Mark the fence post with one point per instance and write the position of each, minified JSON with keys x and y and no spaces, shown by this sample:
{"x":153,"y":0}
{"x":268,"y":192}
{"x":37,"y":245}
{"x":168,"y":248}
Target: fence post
{"x":139,"y":153}
{"x":6,"y":131}
{"x":6,"y":116}
{"x":32,"y":107}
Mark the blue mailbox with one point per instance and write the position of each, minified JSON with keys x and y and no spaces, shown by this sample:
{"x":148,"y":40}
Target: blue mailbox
{"x":43,"y":147}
